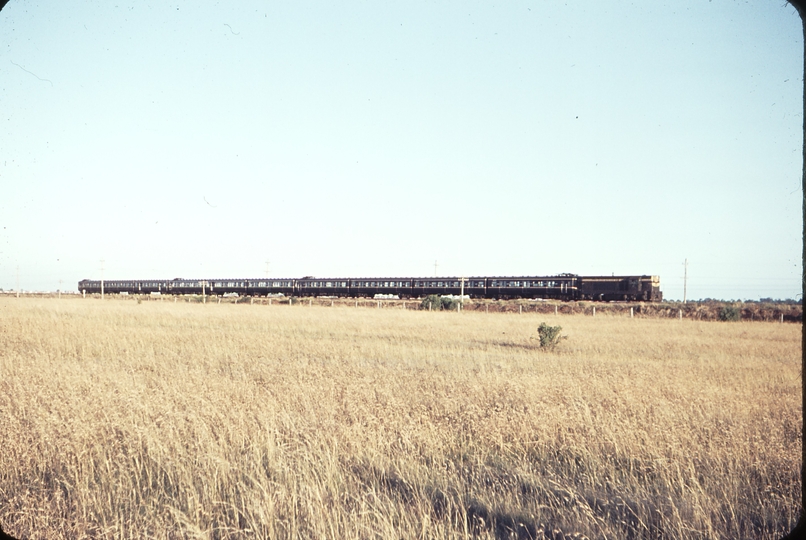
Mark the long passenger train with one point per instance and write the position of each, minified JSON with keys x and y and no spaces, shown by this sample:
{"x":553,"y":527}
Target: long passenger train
{"x":561,"y":287}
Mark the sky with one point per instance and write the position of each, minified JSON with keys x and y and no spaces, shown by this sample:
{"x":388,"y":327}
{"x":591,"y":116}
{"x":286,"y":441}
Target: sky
{"x":346,"y":139}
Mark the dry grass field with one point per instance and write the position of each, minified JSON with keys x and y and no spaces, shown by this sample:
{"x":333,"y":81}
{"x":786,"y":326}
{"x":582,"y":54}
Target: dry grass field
{"x":163,"y":420}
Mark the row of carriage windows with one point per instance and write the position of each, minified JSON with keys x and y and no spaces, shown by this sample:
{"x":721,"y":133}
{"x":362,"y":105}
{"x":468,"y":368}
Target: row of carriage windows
{"x":515,"y":283}
{"x":343,"y":284}
{"x":456,"y":284}
{"x":384,"y":284}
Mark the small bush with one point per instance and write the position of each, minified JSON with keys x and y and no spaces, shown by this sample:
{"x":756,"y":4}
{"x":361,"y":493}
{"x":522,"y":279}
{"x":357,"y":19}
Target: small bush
{"x":438,"y":302}
{"x":549,"y":336}
{"x":729,"y":313}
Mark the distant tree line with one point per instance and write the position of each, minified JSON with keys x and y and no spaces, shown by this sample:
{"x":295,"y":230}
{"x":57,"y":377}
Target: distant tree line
{"x":785,"y":301}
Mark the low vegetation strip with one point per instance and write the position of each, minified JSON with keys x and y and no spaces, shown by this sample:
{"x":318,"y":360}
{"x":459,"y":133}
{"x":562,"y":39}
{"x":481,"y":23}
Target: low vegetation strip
{"x":183,"y":420}
{"x":710,"y":310}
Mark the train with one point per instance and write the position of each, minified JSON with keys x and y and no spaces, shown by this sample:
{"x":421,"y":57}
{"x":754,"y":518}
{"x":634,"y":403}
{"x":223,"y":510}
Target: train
{"x":559,"y":287}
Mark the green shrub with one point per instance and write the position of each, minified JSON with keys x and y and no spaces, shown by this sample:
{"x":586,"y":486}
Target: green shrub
{"x":432,"y":301}
{"x":437,"y":302}
{"x":549,"y":336}
{"x":729,"y":313}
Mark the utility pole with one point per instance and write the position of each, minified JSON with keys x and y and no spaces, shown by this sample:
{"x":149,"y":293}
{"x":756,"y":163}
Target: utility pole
{"x":102,"y":279}
{"x":685,"y":279}
{"x":462,"y":291}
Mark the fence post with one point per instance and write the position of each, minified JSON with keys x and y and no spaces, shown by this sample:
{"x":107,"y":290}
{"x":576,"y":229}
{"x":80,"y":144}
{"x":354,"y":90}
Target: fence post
{"x":594,"y":311}
{"x":379,"y":304}
{"x":251,"y":300}
{"x":458,"y":307}
{"x":520,"y":310}
{"x":269,"y":301}
{"x":356,"y":303}
{"x":429,"y":306}
{"x":331,"y":303}
{"x":310,"y":302}
{"x":782,"y":318}
{"x":631,"y":313}
{"x":555,"y":310}
{"x":680,"y":314}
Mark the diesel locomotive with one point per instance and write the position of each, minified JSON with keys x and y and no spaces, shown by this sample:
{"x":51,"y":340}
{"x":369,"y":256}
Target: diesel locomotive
{"x":560,"y":287}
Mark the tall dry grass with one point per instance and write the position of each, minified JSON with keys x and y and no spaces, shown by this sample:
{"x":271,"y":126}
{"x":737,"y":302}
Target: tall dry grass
{"x":165,"y":420}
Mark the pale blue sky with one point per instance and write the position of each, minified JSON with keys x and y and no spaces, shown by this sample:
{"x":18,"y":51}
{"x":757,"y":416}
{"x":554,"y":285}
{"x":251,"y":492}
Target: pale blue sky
{"x":201,"y":139}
